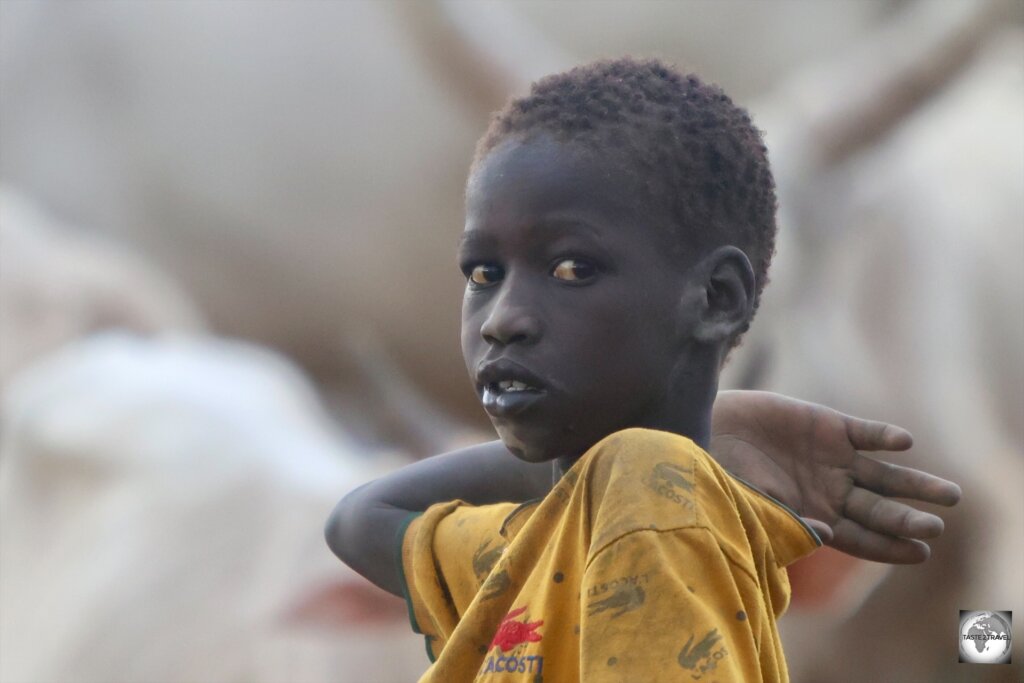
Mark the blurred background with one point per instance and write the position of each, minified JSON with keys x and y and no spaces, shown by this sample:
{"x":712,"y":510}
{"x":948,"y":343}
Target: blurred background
{"x":228,"y":295}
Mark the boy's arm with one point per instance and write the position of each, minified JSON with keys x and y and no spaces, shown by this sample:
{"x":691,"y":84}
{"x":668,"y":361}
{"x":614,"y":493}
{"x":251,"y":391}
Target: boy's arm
{"x":363,"y":528}
{"x":803,"y":454}
{"x":806,"y":455}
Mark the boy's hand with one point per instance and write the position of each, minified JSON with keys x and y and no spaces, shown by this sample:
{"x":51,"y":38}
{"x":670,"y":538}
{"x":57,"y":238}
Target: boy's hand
{"x":805,"y":455}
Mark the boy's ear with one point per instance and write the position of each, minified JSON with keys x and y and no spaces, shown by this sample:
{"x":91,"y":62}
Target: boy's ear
{"x":725,"y":290}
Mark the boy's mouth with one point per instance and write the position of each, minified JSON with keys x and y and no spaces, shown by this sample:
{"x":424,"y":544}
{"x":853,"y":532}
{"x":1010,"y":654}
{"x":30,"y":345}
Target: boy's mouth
{"x":507,"y":388}
{"x":508,"y":385}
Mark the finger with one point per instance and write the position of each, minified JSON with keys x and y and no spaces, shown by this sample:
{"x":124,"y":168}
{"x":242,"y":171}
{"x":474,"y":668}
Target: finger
{"x":890,"y":518}
{"x":819,"y":527}
{"x":894,"y":481}
{"x":870,"y":435}
{"x":853,"y":539}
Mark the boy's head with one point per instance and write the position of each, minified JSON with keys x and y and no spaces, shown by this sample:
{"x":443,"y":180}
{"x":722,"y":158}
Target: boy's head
{"x":620,"y":220}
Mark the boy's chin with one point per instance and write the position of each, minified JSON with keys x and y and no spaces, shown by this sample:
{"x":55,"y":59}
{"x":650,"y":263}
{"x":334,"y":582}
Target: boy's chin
{"x":534,"y":449}
{"x":525,"y":449}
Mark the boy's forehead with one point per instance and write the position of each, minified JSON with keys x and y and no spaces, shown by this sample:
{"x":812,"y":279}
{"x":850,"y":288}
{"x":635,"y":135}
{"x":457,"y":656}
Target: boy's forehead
{"x":520,"y":179}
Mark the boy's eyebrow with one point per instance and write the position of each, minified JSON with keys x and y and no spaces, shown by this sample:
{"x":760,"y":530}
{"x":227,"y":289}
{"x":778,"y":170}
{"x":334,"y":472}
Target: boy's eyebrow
{"x":554,"y":226}
{"x":472,"y":238}
{"x":565,"y":224}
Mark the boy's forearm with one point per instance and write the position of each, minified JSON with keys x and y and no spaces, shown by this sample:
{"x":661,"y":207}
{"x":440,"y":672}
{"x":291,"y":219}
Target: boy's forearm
{"x":481,"y":474}
{"x":362,"y":529}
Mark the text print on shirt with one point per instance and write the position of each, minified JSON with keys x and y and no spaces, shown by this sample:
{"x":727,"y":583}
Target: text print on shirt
{"x":510,"y":635}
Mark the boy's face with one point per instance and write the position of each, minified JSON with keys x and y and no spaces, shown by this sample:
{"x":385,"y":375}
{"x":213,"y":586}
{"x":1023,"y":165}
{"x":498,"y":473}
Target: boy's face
{"x":571,"y":325}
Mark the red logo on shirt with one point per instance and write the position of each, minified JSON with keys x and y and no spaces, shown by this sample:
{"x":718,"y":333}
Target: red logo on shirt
{"x":511,"y":633}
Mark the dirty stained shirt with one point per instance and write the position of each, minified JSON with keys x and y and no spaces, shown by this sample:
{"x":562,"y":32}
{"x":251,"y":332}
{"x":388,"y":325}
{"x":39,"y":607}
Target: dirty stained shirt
{"x":646,"y":562}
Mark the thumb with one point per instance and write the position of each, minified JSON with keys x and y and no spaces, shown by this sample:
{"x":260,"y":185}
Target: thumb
{"x":823,"y":530}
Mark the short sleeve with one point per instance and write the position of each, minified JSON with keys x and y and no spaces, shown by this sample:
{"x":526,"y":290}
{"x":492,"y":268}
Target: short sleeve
{"x":446,"y":554}
{"x":670,"y":606}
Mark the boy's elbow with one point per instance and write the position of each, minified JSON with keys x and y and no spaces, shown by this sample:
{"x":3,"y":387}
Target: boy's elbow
{"x":340,"y":524}
{"x":360,"y":531}
{"x":331,"y":530}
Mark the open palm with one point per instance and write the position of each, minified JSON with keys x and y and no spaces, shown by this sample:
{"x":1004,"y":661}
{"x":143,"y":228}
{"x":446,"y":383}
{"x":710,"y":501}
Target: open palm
{"x":807,"y":456}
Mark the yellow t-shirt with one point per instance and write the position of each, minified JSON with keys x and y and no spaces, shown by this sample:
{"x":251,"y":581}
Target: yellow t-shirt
{"x":647,"y":562}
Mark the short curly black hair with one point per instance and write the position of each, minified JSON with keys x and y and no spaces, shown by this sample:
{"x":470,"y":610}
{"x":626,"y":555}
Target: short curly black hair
{"x":698,"y":155}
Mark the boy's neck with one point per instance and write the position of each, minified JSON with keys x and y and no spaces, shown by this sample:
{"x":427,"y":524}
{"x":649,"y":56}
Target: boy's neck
{"x":687,"y":412}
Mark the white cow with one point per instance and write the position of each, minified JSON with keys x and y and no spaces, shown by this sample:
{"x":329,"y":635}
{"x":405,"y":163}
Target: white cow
{"x":161,"y":507}
{"x":906,"y":305}
{"x":60,"y":282}
{"x":161,"y":496}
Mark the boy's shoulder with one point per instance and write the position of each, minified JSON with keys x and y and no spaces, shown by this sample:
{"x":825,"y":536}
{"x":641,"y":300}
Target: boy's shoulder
{"x":638,"y":480}
{"x":641,"y":463}
{"x":641,"y":479}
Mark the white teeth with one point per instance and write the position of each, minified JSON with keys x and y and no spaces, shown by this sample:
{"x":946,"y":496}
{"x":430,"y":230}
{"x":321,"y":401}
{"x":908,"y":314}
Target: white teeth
{"x":513,"y":385}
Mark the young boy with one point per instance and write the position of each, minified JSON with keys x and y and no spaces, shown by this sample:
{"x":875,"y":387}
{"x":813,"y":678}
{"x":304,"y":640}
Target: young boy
{"x":620,"y":220}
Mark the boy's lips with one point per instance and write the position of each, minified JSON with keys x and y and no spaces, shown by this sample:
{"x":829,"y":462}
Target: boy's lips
{"x":507,"y":388}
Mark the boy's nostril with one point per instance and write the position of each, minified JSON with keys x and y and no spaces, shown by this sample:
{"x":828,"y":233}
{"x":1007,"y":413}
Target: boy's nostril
{"x":522,"y":329}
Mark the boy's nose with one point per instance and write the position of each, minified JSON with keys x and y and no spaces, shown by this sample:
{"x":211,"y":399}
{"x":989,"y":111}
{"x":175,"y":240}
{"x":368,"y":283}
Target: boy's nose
{"x":510,"y":323}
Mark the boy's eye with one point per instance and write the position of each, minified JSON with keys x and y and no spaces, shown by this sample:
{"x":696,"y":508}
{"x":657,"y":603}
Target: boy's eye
{"x":484,"y":275}
{"x":573,"y":270}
